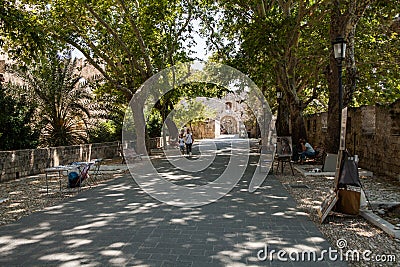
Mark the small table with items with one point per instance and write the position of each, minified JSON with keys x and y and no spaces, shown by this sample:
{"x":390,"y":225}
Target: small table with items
{"x":78,"y":167}
{"x":58,"y":169}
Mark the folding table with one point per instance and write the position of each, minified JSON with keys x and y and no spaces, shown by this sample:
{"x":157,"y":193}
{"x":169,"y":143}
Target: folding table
{"x":59,"y":169}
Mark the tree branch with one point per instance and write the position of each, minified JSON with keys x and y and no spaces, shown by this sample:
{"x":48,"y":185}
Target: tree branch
{"x":213,"y":42}
{"x":311,"y":98}
{"x":94,"y":48}
{"x":176,"y":35}
{"x":142,"y":45}
{"x":132,"y":58}
{"x":97,"y":66}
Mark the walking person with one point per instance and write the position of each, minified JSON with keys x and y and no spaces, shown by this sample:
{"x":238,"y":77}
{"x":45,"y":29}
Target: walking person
{"x":189,"y":142}
{"x":181,"y":141}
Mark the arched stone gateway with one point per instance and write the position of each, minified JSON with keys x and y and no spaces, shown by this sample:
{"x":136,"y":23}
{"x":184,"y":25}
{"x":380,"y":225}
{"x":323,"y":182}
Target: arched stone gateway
{"x":230,"y":118}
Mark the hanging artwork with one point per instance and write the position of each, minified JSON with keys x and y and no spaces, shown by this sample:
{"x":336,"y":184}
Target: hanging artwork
{"x":284,"y":146}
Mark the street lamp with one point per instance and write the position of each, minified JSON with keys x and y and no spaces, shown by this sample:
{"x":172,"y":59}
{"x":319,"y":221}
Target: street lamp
{"x":339,"y":49}
{"x":279,"y":95}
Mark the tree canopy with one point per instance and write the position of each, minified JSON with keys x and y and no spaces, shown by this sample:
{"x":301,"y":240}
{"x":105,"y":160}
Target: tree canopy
{"x":286,"y":46}
{"x":282,"y":45}
{"x":16,"y":121}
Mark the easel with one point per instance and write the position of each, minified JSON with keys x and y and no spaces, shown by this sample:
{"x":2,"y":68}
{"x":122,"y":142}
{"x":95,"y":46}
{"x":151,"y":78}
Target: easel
{"x":331,"y":200}
{"x":283,"y":152}
{"x":282,"y":160}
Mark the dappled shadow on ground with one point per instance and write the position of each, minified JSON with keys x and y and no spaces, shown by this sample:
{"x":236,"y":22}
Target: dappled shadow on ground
{"x":359,"y":234}
{"x":119,"y":224}
{"x":23,"y":196}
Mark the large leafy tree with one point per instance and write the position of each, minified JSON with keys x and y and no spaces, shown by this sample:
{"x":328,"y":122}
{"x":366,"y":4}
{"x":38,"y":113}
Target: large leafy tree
{"x":276,"y":45}
{"x":63,"y":100}
{"x":378,"y":56}
{"x":21,"y":36}
{"x":344,"y":16}
{"x":190,"y":112}
{"x":376,"y":48}
{"x":286,"y":46}
{"x":127,"y":41}
{"x":16,"y":121}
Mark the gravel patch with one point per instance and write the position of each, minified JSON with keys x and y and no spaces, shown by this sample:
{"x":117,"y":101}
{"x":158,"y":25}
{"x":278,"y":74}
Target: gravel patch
{"x":26,"y":195}
{"x":359,"y":233}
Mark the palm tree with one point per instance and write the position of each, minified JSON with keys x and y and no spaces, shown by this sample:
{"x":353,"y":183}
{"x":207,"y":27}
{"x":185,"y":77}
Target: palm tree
{"x":62,"y":96}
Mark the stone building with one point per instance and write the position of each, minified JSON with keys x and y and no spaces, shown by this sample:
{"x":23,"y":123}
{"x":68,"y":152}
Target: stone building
{"x":4,"y":61}
{"x":372,"y":133}
{"x":86,"y":70}
{"x":230,"y":118}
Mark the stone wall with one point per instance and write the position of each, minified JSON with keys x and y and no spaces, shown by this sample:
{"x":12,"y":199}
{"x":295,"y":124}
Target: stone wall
{"x":19,"y":163}
{"x":373,"y":133}
{"x":209,"y":129}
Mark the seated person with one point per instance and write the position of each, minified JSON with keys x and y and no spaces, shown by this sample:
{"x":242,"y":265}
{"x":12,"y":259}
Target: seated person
{"x":306,"y":151}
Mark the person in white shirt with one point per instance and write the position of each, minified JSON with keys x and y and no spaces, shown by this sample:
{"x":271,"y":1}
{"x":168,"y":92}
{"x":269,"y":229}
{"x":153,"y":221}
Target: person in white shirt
{"x":189,"y":142}
{"x":181,"y":141}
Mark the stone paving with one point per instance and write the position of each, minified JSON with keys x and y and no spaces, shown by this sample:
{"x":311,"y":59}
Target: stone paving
{"x":118,"y":224}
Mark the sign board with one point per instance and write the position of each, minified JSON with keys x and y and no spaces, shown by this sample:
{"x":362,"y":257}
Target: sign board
{"x":343,"y":123}
{"x":342,"y":145}
{"x":284,"y":146}
{"x":330,"y":163}
{"x":327,"y":205}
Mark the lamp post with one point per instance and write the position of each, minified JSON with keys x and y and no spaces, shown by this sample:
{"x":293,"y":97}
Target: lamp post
{"x":339,"y":49}
{"x":279,"y":95}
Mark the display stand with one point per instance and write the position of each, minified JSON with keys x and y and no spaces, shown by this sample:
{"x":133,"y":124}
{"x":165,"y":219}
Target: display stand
{"x":334,"y":197}
{"x":284,"y":152}
{"x":282,"y":162}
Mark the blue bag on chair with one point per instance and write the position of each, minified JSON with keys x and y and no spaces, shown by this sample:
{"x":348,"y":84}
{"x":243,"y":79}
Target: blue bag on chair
{"x":73,"y":179}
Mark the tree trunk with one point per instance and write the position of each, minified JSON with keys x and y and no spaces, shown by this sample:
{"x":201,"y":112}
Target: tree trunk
{"x":332,"y":137}
{"x":336,"y":28}
{"x":345,"y":26}
{"x":297,"y":122}
{"x":140,"y":127}
{"x":351,"y":70}
{"x":172,"y":129}
{"x":282,"y":120}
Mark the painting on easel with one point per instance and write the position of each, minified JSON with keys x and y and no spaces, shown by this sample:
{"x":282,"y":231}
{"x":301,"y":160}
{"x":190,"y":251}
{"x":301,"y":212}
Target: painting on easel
{"x":284,"y":146}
